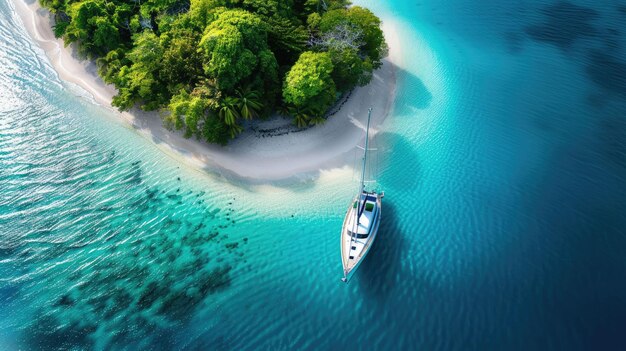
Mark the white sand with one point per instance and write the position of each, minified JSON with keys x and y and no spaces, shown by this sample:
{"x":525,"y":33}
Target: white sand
{"x":249,"y":156}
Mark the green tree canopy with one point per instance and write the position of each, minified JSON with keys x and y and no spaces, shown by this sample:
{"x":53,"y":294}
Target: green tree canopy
{"x":364,"y":24}
{"x":287,"y":38}
{"x":180,"y":42}
{"x":140,"y":81}
{"x":231,"y":47}
{"x":203,"y":12}
{"x":309,"y":84}
{"x":269,"y":8}
{"x":93,"y":26}
{"x":349,"y":69}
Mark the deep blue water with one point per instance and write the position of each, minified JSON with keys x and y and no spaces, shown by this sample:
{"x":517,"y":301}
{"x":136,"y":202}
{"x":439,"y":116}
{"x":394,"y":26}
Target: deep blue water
{"x":504,"y":167}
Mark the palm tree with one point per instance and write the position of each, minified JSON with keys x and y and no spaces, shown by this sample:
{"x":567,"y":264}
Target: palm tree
{"x":301,"y":116}
{"x":228,"y":110}
{"x":284,"y":110}
{"x":317,"y":120}
{"x":234,"y":130}
{"x":249,"y":103}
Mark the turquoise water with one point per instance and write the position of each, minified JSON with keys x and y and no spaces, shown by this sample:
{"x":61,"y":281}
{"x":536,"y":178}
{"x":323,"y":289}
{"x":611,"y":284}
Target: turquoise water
{"x":504,"y":167}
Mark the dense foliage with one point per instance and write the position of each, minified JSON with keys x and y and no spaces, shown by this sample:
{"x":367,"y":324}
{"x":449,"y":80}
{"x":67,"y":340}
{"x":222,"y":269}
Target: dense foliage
{"x":212,"y":63}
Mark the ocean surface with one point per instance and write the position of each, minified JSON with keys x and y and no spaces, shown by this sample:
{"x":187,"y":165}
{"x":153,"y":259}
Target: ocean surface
{"x":503,"y":163}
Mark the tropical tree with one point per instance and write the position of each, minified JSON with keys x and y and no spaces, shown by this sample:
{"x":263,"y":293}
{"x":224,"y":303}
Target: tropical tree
{"x":317,"y":120}
{"x":234,"y":130}
{"x":110,"y":65}
{"x":301,"y":119}
{"x":269,"y":7}
{"x":301,"y":116}
{"x":215,"y":130}
{"x":284,"y":110}
{"x":180,"y":42}
{"x":203,"y":12}
{"x":231,"y":46}
{"x":93,"y":26}
{"x":249,"y":103}
{"x":349,"y":69}
{"x":141,"y":80}
{"x":345,"y":23}
{"x":287,"y":38}
{"x":309,"y":85}
{"x":229,"y":111}
{"x":188,"y":112}
{"x":325,"y":5}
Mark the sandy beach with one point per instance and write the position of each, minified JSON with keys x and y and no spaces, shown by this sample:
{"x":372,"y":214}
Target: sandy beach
{"x":254,"y":155}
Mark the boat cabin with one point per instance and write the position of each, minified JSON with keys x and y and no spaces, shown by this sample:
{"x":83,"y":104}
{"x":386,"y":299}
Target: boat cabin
{"x":367,"y":209}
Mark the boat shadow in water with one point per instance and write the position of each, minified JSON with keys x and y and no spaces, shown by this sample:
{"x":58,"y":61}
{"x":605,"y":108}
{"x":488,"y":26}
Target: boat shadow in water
{"x":382,"y":267}
{"x":385,"y":264}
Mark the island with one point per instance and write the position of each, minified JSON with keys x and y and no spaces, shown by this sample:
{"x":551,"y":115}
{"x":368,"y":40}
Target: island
{"x":277,"y":123}
{"x":212,"y":63}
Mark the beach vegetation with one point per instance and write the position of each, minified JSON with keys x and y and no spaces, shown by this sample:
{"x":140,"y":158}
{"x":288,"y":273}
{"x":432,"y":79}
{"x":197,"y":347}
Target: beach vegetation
{"x":309,"y":85}
{"x":209,"y":65}
{"x":249,"y":103}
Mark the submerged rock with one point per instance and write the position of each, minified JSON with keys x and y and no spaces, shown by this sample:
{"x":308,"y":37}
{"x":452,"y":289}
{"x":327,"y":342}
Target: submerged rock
{"x":65,"y":300}
{"x":231,"y":246}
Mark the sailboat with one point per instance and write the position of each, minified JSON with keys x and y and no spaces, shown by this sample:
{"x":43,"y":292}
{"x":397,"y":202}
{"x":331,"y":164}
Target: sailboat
{"x":362,"y":220}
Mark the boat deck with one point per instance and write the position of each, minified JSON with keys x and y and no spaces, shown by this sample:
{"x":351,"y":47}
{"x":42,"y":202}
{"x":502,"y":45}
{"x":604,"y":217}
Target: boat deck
{"x":354,"y":249}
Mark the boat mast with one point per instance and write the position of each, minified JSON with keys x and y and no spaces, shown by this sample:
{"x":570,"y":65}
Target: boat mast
{"x":359,"y":211}
{"x":367,"y":134}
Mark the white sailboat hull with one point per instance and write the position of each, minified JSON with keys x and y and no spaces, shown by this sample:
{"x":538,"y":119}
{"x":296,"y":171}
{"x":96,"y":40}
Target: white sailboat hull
{"x":357,"y":238}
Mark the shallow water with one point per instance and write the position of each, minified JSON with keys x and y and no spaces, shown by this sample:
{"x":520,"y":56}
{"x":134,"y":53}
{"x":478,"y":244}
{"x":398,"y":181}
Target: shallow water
{"x":504,"y":167}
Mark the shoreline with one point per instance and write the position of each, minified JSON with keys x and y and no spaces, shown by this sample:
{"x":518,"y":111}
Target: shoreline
{"x":251,"y":157}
